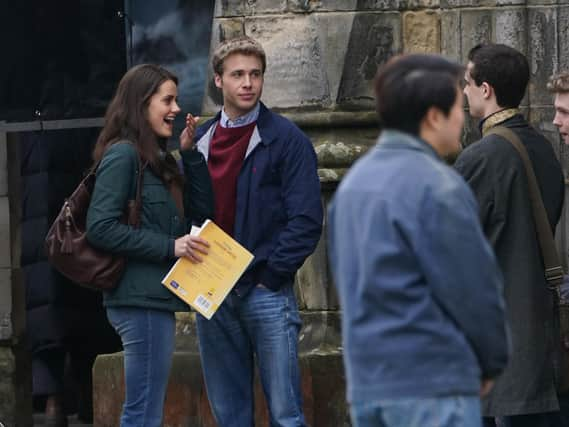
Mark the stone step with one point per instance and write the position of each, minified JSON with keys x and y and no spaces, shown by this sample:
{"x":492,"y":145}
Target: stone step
{"x":323,"y":382}
{"x":323,"y":387}
{"x":71,"y":419}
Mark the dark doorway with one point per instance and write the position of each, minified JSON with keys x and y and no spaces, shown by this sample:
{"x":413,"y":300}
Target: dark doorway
{"x":61,"y":58}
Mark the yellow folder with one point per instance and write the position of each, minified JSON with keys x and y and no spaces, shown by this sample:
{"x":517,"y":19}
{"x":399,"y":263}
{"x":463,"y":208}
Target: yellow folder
{"x":205,"y":285}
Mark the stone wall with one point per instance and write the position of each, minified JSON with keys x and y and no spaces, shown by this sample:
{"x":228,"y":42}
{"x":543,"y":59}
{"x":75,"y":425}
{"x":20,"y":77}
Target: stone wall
{"x":323,"y":54}
{"x":322,"y":57}
{"x":15,"y":380}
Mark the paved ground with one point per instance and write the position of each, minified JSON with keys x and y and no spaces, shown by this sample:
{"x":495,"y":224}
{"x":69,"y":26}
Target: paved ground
{"x":72,"y":419}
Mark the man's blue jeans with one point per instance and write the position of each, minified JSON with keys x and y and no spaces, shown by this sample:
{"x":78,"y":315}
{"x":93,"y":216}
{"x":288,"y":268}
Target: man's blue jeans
{"x":262,"y":326}
{"x":148,"y":338}
{"x":457,"y":411}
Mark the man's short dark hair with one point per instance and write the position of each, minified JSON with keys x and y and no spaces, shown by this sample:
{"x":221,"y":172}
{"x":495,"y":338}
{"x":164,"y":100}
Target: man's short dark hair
{"x":503,"y":68}
{"x":408,"y":85}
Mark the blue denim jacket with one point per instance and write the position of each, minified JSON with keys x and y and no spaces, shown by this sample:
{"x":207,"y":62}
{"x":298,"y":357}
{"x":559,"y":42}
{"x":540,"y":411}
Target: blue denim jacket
{"x":420,"y":289}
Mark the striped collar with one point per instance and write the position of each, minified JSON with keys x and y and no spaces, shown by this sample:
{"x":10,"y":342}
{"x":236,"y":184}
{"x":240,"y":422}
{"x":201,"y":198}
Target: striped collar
{"x":497,"y":118}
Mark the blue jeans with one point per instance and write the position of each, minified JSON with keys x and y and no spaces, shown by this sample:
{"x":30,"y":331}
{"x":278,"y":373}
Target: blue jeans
{"x":457,"y":411}
{"x":148,"y":338}
{"x":262,"y":326}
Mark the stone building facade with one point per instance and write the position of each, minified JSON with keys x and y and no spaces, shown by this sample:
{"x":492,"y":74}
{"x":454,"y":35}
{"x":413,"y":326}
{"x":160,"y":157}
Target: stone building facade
{"x":322,"y":57}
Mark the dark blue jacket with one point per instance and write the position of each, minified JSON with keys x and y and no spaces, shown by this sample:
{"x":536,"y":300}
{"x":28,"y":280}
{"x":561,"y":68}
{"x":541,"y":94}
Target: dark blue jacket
{"x":420,"y":288}
{"x":279,"y":210}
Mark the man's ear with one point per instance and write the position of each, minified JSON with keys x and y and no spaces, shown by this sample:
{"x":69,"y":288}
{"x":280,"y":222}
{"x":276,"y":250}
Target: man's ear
{"x":431,"y":127}
{"x":432,"y":118}
{"x":218,"y":81}
{"x":487,"y":90}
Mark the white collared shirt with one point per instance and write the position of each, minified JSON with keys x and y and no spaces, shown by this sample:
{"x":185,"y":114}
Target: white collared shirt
{"x":243,"y":120}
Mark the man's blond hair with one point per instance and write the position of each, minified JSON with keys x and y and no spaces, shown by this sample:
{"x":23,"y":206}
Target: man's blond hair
{"x":559,"y":83}
{"x":244,"y":45}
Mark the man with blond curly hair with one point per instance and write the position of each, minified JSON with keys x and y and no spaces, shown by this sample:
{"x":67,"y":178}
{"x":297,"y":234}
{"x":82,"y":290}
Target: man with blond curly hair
{"x":559,"y":85}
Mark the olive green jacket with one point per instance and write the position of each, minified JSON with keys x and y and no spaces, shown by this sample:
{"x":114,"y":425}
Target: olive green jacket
{"x":149,"y":249}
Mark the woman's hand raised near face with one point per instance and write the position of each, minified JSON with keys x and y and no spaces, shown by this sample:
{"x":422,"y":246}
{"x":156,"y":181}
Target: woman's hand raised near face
{"x":187,"y":135}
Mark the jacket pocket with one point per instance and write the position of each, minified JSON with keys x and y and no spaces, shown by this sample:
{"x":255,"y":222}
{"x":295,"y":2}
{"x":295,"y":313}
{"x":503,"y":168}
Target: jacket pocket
{"x":155,"y":208}
{"x":144,"y":279}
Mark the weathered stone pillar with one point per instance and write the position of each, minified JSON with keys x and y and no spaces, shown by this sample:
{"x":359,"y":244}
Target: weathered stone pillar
{"x":15,"y":377}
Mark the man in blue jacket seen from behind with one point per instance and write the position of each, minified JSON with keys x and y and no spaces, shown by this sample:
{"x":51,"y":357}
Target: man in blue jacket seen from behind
{"x":267,"y":196}
{"x":424,"y":331}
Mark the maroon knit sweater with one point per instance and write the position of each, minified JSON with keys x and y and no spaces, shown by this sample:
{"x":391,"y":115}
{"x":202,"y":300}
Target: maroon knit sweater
{"x":226,"y":154}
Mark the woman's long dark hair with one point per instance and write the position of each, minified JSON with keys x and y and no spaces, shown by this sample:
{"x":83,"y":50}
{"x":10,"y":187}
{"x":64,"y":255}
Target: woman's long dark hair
{"x":126,"y":118}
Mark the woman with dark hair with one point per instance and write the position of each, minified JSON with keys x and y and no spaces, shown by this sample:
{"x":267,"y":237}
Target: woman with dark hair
{"x":138,"y":122}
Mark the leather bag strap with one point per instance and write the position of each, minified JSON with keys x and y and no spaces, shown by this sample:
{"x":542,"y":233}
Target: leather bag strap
{"x":553,"y":268}
{"x":135,"y":206}
{"x":138,"y":194}
{"x":133,"y":220}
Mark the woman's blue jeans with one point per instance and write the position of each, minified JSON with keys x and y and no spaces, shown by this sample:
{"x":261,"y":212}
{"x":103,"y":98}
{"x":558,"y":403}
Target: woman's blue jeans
{"x":148,"y":338}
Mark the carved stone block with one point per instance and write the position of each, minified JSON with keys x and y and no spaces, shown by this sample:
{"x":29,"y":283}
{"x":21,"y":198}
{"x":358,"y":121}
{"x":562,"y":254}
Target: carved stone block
{"x":296,"y":75}
{"x":421,"y":32}
{"x":542,"y":52}
{"x":373,"y":40}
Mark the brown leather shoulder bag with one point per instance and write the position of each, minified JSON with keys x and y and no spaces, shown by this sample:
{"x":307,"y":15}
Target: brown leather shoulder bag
{"x":66,"y":244}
